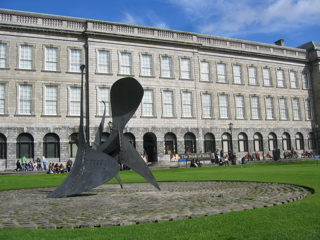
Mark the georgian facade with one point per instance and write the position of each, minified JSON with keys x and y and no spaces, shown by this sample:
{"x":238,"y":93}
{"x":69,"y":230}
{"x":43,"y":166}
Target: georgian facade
{"x":201,"y":92}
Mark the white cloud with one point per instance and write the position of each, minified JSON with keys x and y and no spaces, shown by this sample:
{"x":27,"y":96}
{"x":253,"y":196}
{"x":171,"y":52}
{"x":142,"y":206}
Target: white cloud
{"x":233,"y":17}
{"x":149,"y":18}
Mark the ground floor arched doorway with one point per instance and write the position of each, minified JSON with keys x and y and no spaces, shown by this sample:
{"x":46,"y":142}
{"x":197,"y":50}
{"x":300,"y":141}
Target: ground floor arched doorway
{"x":150,"y":147}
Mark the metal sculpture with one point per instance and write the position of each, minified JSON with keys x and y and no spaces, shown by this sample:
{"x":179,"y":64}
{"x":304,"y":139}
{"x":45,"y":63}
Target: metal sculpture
{"x":98,"y":164}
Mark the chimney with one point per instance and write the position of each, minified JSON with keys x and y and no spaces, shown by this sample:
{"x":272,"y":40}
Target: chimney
{"x":280,"y":42}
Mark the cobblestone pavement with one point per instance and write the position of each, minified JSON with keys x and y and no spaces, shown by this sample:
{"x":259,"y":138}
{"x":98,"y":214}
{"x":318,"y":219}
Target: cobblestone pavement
{"x":109,"y":205}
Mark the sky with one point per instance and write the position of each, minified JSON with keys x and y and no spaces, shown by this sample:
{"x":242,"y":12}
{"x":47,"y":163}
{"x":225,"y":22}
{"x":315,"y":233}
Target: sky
{"x":266,"y":21}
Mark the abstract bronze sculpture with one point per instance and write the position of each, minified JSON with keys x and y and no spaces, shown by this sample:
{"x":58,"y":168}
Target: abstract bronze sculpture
{"x":98,"y":164}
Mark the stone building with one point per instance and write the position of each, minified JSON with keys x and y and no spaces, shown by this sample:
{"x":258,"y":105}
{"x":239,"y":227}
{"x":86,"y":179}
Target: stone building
{"x":201,"y":92}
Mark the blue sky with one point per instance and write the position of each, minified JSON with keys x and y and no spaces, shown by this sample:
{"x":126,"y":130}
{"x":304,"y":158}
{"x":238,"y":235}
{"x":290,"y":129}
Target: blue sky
{"x":296,"y":21}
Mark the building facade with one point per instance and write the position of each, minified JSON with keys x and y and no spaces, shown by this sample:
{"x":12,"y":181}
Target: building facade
{"x":201,"y":92}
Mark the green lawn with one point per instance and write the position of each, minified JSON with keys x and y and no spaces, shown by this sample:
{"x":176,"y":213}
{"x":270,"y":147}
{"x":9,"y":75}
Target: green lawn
{"x":296,"y":220}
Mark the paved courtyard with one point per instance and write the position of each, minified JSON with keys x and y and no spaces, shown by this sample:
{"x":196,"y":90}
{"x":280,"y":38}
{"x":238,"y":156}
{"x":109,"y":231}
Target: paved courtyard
{"x":137,"y":203}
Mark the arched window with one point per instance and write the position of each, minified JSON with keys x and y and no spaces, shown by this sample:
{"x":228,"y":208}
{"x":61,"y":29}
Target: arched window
{"x":286,"y":141}
{"x":73,"y":148}
{"x":209,"y":143}
{"x":51,"y":145}
{"x":299,"y":141}
{"x":190,"y":143}
{"x":226,"y":142}
{"x":131,"y":138}
{"x":243,"y":142}
{"x":311,"y":141}
{"x":25,"y":146}
{"x":272,"y":141}
{"x":3,"y":147}
{"x":257,"y":142}
{"x":170,"y":143}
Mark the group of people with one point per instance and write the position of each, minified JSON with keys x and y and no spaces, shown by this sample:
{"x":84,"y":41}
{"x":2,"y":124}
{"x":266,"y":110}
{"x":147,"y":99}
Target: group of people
{"x":41,"y":164}
{"x":195,"y":163}
{"x":222,"y":158}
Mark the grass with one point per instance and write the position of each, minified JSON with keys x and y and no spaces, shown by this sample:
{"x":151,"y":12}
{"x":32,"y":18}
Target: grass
{"x":296,"y":220}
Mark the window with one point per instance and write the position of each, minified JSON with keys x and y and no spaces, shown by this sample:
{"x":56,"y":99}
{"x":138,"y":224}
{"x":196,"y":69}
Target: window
{"x":223,"y":106}
{"x":75,"y":60}
{"x":305,"y":80}
{"x":190,"y":143}
{"x":311,"y":141}
{"x":206,"y":105}
{"x":146,"y":65}
{"x":299,"y":141}
{"x":257,"y":142}
{"x":209,"y":143}
{"x":239,"y":107}
{"x":168,"y":104}
{"x":253,"y":76}
{"x":286,"y":142}
{"x":269,"y":108}
{"x":103,"y":61}
{"x":255,"y":109}
{"x":3,"y":55}
{"x":308,"y":109}
{"x":166,"y":67}
{"x":25,"y":146}
{"x":280,"y":78}
{"x":3,"y":147}
{"x":186,"y":104}
{"x":75,"y":100}
{"x":2,"y":98}
{"x":226,"y":141}
{"x":272,"y":141}
{"x":73,"y":147}
{"x":131,"y":138}
{"x":25,"y":99}
{"x":51,"y":145}
{"x":170,"y":143}
{"x":266,"y":77}
{"x":26,"y":57}
{"x":293,"y":79}
{"x":125,"y":63}
{"x":51,"y":59}
{"x":104,"y":96}
{"x":237,"y":74}
{"x":296,"y":109}
{"x":51,"y":102}
{"x":147,"y":103}
{"x":283,"y":109}
{"x":185,"y":66}
{"x":221,"y":69}
{"x":243,"y":142}
{"x":204,"y":71}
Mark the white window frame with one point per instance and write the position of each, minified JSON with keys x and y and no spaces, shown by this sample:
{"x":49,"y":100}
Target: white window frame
{"x":75,"y":60}
{"x":26,"y":55}
{"x":221,"y":73}
{"x":74,"y":101}
{"x":103,"y":96}
{"x":267,"y":81}
{"x":240,"y":109}
{"x":148,"y":103}
{"x":252,"y":75}
{"x":168,"y":103}
{"x":306,"y":80}
{"x":125,"y":63}
{"x":280,"y":78}
{"x":293,"y":79}
{"x":205,"y":71}
{"x":146,"y":64}
{"x":187,"y":106}
{"x":296,"y":113}
{"x":269,"y":108}
{"x":185,"y":68}
{"x":206,"y":99}
{"x":103,"y":61}
{"x":51,"y":56}
{"x":237,"y":74}
{"x":255,"y":107}
{"x":51,"y":100}
{"x":308,"y":109}
{"x":25,"y":99}
{"x":283,"y":108}
{"x":166,"y":67}
{"x":3,"y":54}
{"x":224,"y":106}
{"x":3,"y":99}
